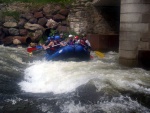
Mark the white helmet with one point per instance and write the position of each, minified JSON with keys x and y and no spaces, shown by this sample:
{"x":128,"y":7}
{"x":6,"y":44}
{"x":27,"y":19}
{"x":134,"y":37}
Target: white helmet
{"x":70,"y":36}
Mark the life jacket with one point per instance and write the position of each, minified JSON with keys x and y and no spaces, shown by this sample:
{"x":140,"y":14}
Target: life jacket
{"x":83,"y":43}
{"x":71,"y":42}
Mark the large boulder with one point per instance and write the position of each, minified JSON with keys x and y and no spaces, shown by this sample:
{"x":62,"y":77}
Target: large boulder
{"x":21,"y":40}
{"x":13,"y":31}
{"x":38,"y":14}
{"x":47,"y":9}
{"x":1,"y":35}
{"x":42,"y":21}
{"x":23,"y":32}
{"x":56,"y":9}
{"x":21,"y":23}
{"x":64,"y":12}
{"x":51,"y":23}
{"x":59,"y":17}
{"x":27,"y":16}
{"x":7,"y":40}
{"x":10,"y":24}
{"x":16,"y":41}
{"x":37,"y":35}
{"x":5,"y":30}
{"x":33,"y":20}
{"x":33,"y":27}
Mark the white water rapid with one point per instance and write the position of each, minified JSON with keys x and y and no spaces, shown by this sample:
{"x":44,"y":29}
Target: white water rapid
{"x":63,"y":77}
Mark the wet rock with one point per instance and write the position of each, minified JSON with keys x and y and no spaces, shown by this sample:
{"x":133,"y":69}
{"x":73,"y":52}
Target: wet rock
{"x":88,"y":94}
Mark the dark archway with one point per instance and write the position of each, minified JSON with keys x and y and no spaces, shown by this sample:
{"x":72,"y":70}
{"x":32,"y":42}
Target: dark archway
{"x":144,"y":59}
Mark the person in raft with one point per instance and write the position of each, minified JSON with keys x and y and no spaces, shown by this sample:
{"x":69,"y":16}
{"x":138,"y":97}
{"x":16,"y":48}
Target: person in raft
{"x":85,"y":42}
{"x":60,"y":40}
{"x":52,"y":44}
{"x":49,"y":46}
{"x":70,"y":40}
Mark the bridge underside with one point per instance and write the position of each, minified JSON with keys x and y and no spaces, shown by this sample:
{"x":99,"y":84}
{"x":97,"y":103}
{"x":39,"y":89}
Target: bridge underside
{"x":134,"y":30}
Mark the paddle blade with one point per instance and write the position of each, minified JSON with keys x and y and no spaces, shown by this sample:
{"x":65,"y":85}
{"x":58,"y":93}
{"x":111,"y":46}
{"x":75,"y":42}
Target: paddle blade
{"x":99,"y":54}
{"x":31,"y":49}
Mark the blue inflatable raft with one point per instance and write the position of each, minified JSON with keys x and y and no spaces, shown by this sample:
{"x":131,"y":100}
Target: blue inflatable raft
{"x":69,"y":51}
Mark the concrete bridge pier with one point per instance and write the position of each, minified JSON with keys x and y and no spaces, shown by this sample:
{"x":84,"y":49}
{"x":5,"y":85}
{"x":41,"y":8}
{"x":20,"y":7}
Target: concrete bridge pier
{"x":134,"y":31}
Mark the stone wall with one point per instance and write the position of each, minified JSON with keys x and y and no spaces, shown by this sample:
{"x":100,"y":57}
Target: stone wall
{"x":84,"y":17}
{"x":33,"y":22}
{"x":134,"y":30}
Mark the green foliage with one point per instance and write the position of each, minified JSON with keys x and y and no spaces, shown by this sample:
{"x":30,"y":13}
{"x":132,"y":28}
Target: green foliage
{"x":52,"y":33}
{"x":38,"y":1}
{"x":14,"y":14}
{"x":42,"y":39}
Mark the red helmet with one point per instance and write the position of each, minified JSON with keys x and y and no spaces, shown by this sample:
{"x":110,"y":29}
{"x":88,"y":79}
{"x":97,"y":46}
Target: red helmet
{"x":76,"y":37}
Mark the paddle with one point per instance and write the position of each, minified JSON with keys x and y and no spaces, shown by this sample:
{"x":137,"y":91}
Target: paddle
{"x":99,"y":54}
{"x":39,"y":47}
{"x":31,"y":49}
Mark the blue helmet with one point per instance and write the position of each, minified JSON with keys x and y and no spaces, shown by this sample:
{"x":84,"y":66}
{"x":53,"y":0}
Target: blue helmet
{"x":57,"y":37}
{"x":49,"y":38}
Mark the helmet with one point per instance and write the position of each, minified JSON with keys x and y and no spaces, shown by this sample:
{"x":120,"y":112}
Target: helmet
{"x":52,"y":37}
{"x":76,"y":37}
{"x":49,"y":38}
{"x":57,"y":37}
{"x":70,"y":36}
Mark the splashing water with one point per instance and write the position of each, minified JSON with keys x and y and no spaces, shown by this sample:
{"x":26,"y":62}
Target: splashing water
{"x":63,"y":77}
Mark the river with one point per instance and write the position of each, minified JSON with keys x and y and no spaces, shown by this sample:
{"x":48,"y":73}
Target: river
{"x":100,"y":85}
